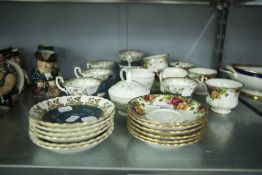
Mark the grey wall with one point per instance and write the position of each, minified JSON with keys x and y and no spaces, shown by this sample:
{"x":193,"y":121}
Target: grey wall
{"x":243,"y":42}
{"x":89,"y":31}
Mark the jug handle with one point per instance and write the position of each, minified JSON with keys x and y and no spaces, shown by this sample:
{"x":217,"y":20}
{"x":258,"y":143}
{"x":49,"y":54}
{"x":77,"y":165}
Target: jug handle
{"x":229,"y":70}
{"x":128,"y":74}
{"x":77,"y":71}
{"x":57,"y":81}
{"x":87,"y":65}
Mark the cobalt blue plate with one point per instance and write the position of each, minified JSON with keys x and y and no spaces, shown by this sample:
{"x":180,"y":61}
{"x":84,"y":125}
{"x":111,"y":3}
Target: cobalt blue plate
{"x":72,"y":114}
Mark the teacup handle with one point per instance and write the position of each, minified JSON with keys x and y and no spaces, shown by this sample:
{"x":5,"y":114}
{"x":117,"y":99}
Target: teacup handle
{"x":78,"y":72}
{"x":128,"y":74}
{"x":87,"y":65}
{"x":229,"y":70}
{"x":57,"y":82}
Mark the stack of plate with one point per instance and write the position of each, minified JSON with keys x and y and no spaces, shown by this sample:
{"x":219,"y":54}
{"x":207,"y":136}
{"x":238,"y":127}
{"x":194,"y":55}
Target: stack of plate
{"x":166,"y":120}
{"x":71,"y":123}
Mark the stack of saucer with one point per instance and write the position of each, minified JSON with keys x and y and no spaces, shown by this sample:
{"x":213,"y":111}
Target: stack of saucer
{"x":166,"y":121}
{"x":71,"y":123}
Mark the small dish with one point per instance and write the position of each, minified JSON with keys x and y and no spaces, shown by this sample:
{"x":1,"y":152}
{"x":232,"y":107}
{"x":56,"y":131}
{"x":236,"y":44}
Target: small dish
{"x":156,"y":62}
{"x":189,"y":110}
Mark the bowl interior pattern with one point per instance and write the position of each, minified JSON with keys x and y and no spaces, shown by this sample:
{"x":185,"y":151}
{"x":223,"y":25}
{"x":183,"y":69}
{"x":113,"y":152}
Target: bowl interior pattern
{"x":184,"y":109}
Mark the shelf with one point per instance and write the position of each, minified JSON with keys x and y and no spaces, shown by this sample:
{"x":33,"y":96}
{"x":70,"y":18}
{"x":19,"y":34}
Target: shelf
{"x":255,"y":105}
{"x":232,"y":145}
{"x":189,"y":2}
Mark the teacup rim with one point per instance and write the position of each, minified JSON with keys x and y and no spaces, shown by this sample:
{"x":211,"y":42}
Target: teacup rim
{"x":181,"y":78}
{"x":156,"y":56}
{"x":194,"y":68}
{"x":66,"y":81}
{"x":207,"y":82}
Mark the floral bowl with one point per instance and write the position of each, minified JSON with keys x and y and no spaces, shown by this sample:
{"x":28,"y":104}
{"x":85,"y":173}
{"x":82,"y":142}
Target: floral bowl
{"x":166,"y":110}
{"x":78,"y":86}
{"x":179,"y":86}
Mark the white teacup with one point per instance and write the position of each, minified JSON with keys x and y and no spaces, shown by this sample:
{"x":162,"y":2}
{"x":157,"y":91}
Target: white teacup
{"x":223,"y":94}
{"x":100,"y":64}
{"x":144,"y":76}
{"x":156,"y":62}
{"x":180,"y":86}
{"x":78,"y":86}
{"x":171,"y":72}
{"x":201,"y":75}
{"x":101,"y":74}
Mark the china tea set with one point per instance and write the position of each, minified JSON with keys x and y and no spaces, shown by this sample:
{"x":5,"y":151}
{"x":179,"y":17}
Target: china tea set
{"x":76,"y":117}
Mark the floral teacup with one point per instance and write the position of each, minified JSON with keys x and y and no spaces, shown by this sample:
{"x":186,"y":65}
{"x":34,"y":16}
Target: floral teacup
{"x":78,"y":86}
{"x":223,"y":94}
{"x":101,"y":74}
{"x":201,"y":75}
{"x":101,"y":64}
{"x":156,"y":62}
{"x":171,"y":72}
{"x":144,"y":76}
{"x":180,"y":86}
{"x":130,"y":57}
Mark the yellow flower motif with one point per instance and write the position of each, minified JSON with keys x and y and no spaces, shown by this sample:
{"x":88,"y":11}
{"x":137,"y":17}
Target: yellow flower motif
{"x":139,"y":110}
{"x":182,"y":106}
{"x":214,"y":94}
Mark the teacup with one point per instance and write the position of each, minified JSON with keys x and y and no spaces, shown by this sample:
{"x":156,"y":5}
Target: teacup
{"x":100,"y":64}
{"x":201,"y":75}
{"x":180,"y":86}
{"x":131,"y":57}
{"x":144,"y":76}
{"x":156,"y":62}
{"x":78,"y":86}
{"x":171,"y":72}
{"x":101,"y":74}
{"x":181,"y":64}
{"x":223,"y":94}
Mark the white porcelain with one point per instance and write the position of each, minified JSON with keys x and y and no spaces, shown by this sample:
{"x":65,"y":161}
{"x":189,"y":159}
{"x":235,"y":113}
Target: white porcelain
{"x":156,"y":62}
{"x":250,"y":75}
{"x":124,"y":91}
{"x":130,"y":67}
{"x":100,"y":64}
{"x":180,"y":86}
{"x":101,"y":74}
{"x":223,"y":94}
{"x":144,"y":76}
{"x":78,"y":86}
{"x":201,"y":75}
{"x":181,"y":64}
{"x":170,"y":72}
{"x":131,"y":55}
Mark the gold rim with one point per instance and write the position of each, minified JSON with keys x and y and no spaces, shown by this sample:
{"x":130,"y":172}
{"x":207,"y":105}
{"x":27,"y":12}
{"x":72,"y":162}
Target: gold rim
{"x":163,"y":137}
{"x":68,"y":139}
{"x":76,"y":147}
{"x":35,"y":139}
{"x":44,"y":127}
{"x":68,"y":133}
{"x":255,"y":97}
{"x":170,"y":145}
{"x":165,"y":126}
{"x":72,"y":125}
{"x":164,"y":132}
